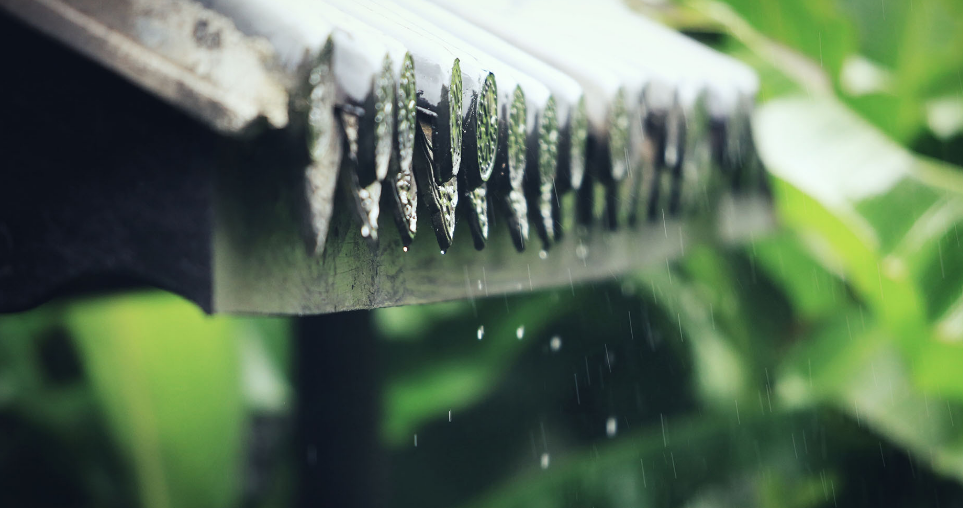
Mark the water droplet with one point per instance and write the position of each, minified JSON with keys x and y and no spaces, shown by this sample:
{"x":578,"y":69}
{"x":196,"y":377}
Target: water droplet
{"x":581,"y":251}
{"x":520,"y":332}
{"x":365,"y":231}
{"x":405,"y":248}
{"x":442,"y":253}
{"x":543,"y":254}
{"x":611,"y":426}
{"x":545,"y":460}
{"x":481,"y":332}
{"x":555,"y":343}
{"x":480,"y":287}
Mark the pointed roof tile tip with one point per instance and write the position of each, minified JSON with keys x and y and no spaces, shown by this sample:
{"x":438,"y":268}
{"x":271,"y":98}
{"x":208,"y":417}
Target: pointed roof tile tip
{"x":440,"y":198}
{"x":325,"y":149}
{"x":578,"y":144}
{"x":541,"y":191}
{"x":456,"y":110}
{"x":401,"y":194}
{"x":486,"y":130}
{"x":477,"y":213}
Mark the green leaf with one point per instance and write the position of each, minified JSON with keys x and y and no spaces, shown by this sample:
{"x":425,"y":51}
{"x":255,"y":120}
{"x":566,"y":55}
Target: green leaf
{"x":921,"y":42}
{"x":815,"y":292}
{"x":168,"y":379}
{"x":916,"y":45}
{"x":852,"y":200}
{"x":817,"y":28}
{"x":860,"y":370}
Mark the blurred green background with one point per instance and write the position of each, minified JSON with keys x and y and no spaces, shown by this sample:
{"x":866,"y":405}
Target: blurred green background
{"x":820,"y":365}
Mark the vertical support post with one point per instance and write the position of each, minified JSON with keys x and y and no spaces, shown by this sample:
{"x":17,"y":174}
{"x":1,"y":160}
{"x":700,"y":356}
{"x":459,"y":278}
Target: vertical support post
{"x":338,"y":412}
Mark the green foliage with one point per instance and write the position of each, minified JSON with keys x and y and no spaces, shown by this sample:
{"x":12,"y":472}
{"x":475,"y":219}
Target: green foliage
{"x":172,"y":386}
{"x":887,"y":59}
{"x":817,"y":28}
{"x":891,"y":234}
{"x":854,"y":307}
{"x":921,"y":45}
{"x":165,"y":376}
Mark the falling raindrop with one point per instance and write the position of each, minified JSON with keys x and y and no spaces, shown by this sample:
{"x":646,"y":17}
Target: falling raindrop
{"x":543,"y":254}
{"x":520,"y":332}
{"x":581,"y":251}
{"x":481,"y":332}
{"x":555,"y":343}
{"x":545,"y":460}
{"x":611,"y":426}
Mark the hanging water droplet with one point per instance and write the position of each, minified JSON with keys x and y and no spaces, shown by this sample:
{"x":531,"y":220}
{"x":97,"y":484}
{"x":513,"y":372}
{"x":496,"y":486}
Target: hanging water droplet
{"x":481,"y":332}
{"x":545,"y":460}
{"x":555,"y":343}
{"x":442,"y":253}
{"x":611,"y":426}
{"x":520,"y":332}
{"x":543,"y":254}
{"x":405,"y":248}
